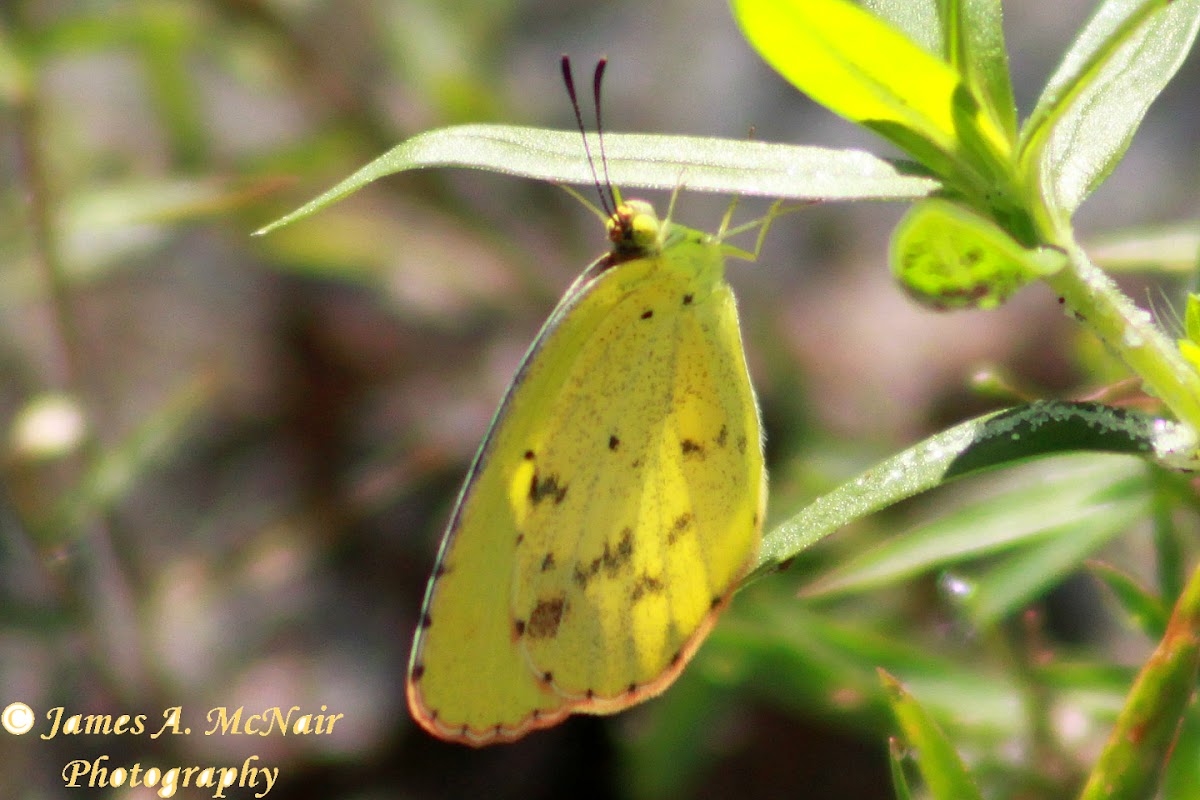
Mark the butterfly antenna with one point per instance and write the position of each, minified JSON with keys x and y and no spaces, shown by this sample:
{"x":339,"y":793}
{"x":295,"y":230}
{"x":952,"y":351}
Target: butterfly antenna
{"x":597,"y":81}
{"x":569,"y":81}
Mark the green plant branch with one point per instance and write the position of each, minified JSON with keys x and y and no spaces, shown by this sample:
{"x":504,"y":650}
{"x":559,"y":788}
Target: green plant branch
{"x":1096,"y":301}
{"x":1136,"y":752}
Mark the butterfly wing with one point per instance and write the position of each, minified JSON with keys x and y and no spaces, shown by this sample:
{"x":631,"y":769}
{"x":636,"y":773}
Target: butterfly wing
{"x":641,"y":500}
{"x":468,"y":681}
{"x":609,"y":513}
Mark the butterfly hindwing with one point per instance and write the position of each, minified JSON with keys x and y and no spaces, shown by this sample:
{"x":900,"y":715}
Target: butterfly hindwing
{"x":650,"y":485}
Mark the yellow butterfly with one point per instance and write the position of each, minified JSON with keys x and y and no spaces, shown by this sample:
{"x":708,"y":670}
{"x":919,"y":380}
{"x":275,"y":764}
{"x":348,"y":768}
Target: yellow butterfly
{"x":614,"y":505}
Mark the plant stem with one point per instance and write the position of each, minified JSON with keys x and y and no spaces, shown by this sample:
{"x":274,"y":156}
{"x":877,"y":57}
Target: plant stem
{"x":1135,"y":754}
{"x":1097,"y":302}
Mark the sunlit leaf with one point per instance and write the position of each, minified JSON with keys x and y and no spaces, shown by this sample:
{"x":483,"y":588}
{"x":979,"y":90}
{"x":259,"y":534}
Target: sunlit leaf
{"x":1095,"y":101}
{"x":645,"y":161}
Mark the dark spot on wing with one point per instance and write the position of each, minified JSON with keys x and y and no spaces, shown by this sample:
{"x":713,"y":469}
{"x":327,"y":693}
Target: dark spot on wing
{"x":637,"y":462}
{"x":716,"y":603}
{"x":537,"y":712}
{"x":546,"y":616}
{"x":519,"y":627}
{"x":529,"y":455}
{"x":687,"y":299}
{"x":785,"y":564}
{"x":520,"y":538}
{"x":722,"y":436}
{"x":681,"y":524}
{"x":548,"y":562}
{"x":615,"y":559}
{"x":440,"y":570}
{"x":541,"y":489}
{"x":691,"y":447}
{"x":741,"y":444}
{"x":612,"y":560}
{"x":417,"y":672}
{"x":647,"y":584}
{"x":426,"y":620}
{"x":613,"y":442}
{"x":589,"y":694}
{"x":547,"y":677}
{"x":648,"y":313}
{"x":675,"y":659}
{"x":583,"y":575}
{"x":633,"y":688}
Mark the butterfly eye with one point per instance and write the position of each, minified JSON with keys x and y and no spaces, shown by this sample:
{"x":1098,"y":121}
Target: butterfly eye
{"x":634,"y":227}
{"x":644,"y":230}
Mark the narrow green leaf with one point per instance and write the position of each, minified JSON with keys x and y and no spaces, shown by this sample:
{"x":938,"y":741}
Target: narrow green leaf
{"x":645,"y":161}
{"x":896,"y":757}
{"x":119,"y":469}
{"x":1095,"y":101}
{"x":857,"y":66}
{"x":1172,"y":248}
{"x":778,"y":648}
{"x":994,"y":440}
{"x":1191,"y":318}
{"x":1023,"y":577}
{"x":939,"y":764}
{"x":1143,"y":608}
{"x":1036,"y":503}
{"x":975,"y":34}
{"x":967,"y":34}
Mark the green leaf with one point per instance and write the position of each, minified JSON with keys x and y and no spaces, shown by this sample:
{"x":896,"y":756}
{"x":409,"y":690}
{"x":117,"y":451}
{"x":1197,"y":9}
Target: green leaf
{"x":813,"y":662}
{"x":1094,"y":102}
{"x":940,"y":766}
{"x":974,"y":34}
{"x":967,"y":34}
{"x":896,"y":757}
{"x":1003,"y":438}
{"x":1023,"y":577}
{"x":1037,"y":503}
{"x":645,"y":161}
{"x":1144,"y":609}
{"x":124,"y":466}
{"x":947,"y":256}
{"x":1171,"y":248}
{"x":1191,"y":319}
{"x":857,"y":66}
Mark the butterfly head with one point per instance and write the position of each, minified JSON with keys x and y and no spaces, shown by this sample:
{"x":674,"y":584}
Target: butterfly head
{"x":634,"y":229}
